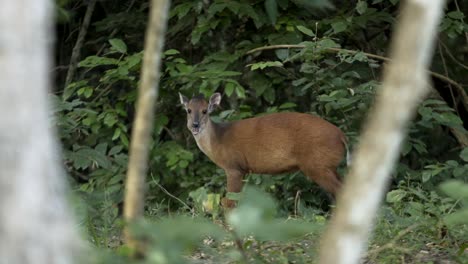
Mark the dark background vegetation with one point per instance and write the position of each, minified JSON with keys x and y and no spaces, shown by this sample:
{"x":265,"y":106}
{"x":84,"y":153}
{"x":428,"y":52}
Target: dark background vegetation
{"x":206,"y":50}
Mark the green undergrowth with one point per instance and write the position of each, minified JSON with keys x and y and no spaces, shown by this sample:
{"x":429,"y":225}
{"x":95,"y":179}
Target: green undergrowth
{"x":411,"y":230}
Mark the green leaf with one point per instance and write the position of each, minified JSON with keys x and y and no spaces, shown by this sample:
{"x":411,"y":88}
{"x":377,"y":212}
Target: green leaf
{"x":269,"y":95}
{"x":72,"y":87}
{"x":160,"y":121}
{"x":282,"y":54}
{"x":183,"y":164}
{"x":118,"y":45}
{"x":339,"y":26}
{"x":116,"y":134}
{"x":240,"y":91}
{"x":428,"y":174}
{"x":448,"y":119}
{"x":101,"y":148}
{"x":327,"y":43}
{"x":93,"y":61}
{"x":287,"y":105}
{"x":124,"y":139}
{"x":457,"y":217}
{"x":361,"y":7}
{"x":255,"y":207}
{"x":456,"y":15}
{"x":229,"y":89}
{"x":459,"y":171}
{"x":271,"y":8}
{"x":173,"y":238}
{"x":171,"y":52}
{"x":115,"y":150}
{"x":395,"y":196}
{"x":452,"y":163}
{"x":110,"y":119}
{"x":255,"y":216}
{"x":181,"y":10}
{"x":464,"y":154}
{"x":406,"y":148}
{"x":93,"y":156}
{"x":88,"y":91}
{"x":306,"y":31}
{"x":116,"y":179}
{"x":79,"y":161}
{"x":265,"y":64}
{"x":133,"y":60}
{"x":455,"y":189}
{"x":315,"y":4}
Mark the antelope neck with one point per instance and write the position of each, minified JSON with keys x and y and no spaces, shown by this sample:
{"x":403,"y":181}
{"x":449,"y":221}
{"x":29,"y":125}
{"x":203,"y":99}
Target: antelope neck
{"x":210,"y":136}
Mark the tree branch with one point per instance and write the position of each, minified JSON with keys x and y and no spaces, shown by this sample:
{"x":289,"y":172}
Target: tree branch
{"x":79,"y":43}
{"x":439,"y":76}
{"x":144,"y":119}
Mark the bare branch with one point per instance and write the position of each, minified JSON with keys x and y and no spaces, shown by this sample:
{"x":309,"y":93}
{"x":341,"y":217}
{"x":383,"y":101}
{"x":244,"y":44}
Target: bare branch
{"x":79,"y":43}
{"x":144,"y":119}
{"x":439,"y":76}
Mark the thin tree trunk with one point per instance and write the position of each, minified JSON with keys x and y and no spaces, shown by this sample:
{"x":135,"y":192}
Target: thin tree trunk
{"x":79,"y":44}
{"x":405,"y":82}
{"x":143,"y":125}
{"x":35,"y":221}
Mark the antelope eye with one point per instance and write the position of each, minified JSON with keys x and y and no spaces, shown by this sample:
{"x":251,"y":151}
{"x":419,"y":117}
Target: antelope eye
{"x":204,"y":112}
{"x":189,"y":111}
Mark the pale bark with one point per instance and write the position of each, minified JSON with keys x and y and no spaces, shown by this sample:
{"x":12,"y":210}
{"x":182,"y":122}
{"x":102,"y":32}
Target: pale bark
{"x":144,"y":119}
{"x":405,"y":82}
{"x":35,"y":221}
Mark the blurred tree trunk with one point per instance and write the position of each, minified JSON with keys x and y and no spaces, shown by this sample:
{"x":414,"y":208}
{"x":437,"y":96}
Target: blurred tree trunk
{"x":143,"y":124}
{"x":35,"y":221}
{"x":405,"y":82}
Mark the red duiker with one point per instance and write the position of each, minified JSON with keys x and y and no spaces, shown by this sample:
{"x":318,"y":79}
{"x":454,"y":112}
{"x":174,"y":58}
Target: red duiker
{"x":269,"y":144}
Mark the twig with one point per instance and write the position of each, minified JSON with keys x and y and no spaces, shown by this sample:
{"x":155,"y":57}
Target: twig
{"x":461,"y":91}
{"x":439,"y":76}
{"x":171,"y":195}
{"x":444,"y":65}
{"x":114,"y":32}
{"x":392,"y":243}
{"x":447,"y":50}
{"x":79,"y":43}
{"x":285,"y":46}
{"x":459,"y":87}
{"x":169,"y":132}
{"x":240,"y":247}
{"x":60,"y":67}
{"x":458,"y":9}
{"x":296,"y":201}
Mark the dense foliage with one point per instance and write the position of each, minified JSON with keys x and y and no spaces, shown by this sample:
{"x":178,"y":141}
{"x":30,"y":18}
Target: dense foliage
{"x":331,"y":68}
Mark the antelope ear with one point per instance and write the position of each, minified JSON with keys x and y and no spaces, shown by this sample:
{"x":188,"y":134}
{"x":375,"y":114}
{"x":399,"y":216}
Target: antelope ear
{"x":183,"y":100}
{"x":215,"y":99}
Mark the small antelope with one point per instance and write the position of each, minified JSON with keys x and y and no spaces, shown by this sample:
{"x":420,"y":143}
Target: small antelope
{"x":270,"y":144}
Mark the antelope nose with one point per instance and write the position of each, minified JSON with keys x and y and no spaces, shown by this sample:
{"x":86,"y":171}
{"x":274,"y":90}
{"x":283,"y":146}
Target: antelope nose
{"x":196,"y":125}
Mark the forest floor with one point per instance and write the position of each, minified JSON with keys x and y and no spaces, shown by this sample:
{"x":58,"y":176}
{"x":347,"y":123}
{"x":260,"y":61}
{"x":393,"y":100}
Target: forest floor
{"x":397,"y":238}
{"x":394,"y":241}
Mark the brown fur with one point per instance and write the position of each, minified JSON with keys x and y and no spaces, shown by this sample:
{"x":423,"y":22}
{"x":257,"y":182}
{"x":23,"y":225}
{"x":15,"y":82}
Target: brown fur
{"x":271,"y":144}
